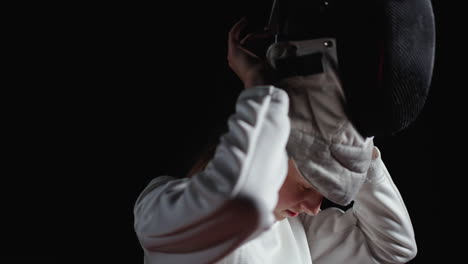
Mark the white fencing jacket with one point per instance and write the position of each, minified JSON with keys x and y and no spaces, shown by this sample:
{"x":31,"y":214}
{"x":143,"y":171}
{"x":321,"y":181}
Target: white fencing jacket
{"x":225,"y":213}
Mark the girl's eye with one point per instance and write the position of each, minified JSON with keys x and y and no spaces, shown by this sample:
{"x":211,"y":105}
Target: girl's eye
{"x":303,"y":187}
{"x":307,"y":187}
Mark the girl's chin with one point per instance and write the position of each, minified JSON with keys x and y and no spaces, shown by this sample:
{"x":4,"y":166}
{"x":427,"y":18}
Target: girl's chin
{"x":281,"y":215}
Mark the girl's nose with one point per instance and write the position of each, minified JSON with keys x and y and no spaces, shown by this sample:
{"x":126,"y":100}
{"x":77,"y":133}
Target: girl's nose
{"x":310,"y":210}
{"x":311,"y":204}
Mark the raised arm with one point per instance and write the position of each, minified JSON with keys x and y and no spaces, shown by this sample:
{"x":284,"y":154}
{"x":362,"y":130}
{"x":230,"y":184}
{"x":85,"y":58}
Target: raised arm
{"x":232,"y":199}
{"x":377,"y":229}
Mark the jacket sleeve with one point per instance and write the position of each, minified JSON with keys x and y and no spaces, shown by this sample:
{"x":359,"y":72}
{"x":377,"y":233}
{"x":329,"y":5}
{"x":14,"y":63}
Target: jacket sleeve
{"x":377,"y":229}
{"x":201,"y":219}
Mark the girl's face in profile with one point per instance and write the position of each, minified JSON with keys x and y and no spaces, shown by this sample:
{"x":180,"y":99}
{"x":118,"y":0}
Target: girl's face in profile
{"x":296,"y":195}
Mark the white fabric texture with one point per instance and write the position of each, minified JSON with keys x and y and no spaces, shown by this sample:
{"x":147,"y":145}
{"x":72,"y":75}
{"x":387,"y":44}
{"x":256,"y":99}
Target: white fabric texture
{"x":328,"y":150}
{"x":285,"y":242}
{"x":175,"y":218}
{"x":250,"y":165}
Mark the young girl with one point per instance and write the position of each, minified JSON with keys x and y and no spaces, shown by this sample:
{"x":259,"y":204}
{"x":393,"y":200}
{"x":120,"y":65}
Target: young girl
{"x":251,"y":203}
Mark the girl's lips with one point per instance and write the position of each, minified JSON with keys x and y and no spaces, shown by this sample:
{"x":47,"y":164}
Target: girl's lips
{"x":291,"y":214}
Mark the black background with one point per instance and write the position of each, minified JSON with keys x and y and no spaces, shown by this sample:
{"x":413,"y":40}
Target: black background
{"x":104,"y":98}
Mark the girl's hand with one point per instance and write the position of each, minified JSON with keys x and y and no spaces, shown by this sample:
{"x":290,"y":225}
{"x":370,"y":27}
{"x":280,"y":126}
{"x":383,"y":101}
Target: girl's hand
{"x":251,"y":69}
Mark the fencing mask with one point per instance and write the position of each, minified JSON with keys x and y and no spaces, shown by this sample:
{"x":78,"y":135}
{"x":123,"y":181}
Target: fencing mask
{"x":353,"y":70}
